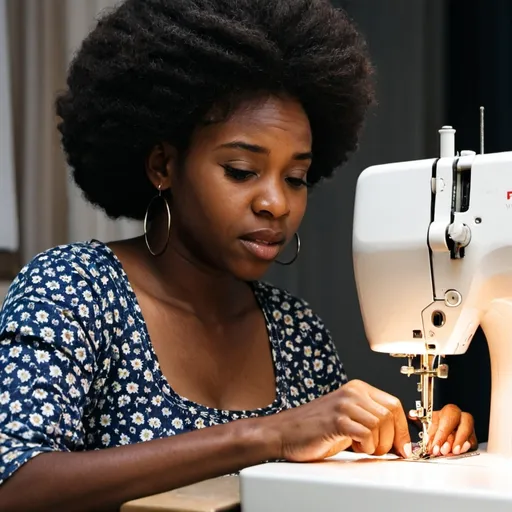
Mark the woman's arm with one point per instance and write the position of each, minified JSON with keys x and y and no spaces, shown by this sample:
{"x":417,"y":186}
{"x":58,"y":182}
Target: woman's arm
{"x":105,"y":479}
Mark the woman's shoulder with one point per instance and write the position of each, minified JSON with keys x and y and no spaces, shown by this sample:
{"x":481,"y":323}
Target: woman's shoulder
{"x":60,"y":271}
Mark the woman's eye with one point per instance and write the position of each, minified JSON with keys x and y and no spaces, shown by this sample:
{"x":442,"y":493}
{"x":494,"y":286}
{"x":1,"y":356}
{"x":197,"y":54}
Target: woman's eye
{"x":237,"y":174}
{"x":297,"y":182}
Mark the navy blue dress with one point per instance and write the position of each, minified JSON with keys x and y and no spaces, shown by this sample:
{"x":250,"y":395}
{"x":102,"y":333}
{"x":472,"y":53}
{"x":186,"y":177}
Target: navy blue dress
{"x":78,"y":371}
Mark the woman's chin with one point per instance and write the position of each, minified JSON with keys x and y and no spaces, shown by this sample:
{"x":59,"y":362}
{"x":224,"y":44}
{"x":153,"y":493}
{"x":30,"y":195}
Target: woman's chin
{"x":251,"y":271}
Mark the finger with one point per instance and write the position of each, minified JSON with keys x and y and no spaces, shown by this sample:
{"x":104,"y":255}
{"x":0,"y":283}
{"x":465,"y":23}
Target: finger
{"x":339,"y":445}
{"x":464,"y":432}
{"x":357,"y":432}
{"x":431,"y":431}
{"x":402,"y":439}
{"x":386,"y":436}
{"x":470,"y":445}
{"x":449,"y":419}
{"x":446,"y":447}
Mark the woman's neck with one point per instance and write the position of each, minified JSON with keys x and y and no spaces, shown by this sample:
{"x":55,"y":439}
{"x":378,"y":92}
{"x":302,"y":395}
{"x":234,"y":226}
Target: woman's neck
{"x":175,"y":278}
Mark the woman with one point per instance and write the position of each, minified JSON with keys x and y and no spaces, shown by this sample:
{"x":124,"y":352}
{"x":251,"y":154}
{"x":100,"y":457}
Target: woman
{"x":209,"y":120}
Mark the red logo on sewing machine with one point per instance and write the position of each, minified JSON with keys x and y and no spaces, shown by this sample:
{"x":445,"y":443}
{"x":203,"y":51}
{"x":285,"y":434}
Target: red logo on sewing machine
{"x":509,"y":195}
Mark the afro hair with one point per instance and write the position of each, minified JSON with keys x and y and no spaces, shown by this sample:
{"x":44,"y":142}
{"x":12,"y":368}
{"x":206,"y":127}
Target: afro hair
{"x":152,"y":69}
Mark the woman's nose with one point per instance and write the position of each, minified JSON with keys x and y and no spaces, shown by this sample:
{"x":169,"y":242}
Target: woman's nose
{"x":271,"y":200}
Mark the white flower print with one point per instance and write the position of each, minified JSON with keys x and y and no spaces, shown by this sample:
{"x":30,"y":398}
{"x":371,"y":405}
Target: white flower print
{"x":123,"y":400}
{"x":123,"y":373}
{"x":10,"y":368}
{"x":83,"y":311}
{"x":15,"y":407}
{"x":318,"y":365}
{"x":146,"y":435}
{"x":131,"y":387}
{"x":23,"y":375}
{"x":48,"y":334}
{"x":55,"y":371}
{"x":70,"y":379}
{"x":136,"y":364}
{"x":11,"y":327}
{"x":40,"y":394}
{"x":67,"y":336}
{"x":177,"y":423}
{"x":47,"y":409}
{"x":309,"y":382}
{"x":80,"y":354}
{"x":157,"y":400}
{"x":42,"y":356}
{"x":26,"y":330}
{"x":138,"y":418}
{"x":14,"y":352}
{"x":105,"y":420}
{"x":36,"y":419}
{"x":154,"y":422}
{"x":14,"y":425}
{"x":41,"y":317}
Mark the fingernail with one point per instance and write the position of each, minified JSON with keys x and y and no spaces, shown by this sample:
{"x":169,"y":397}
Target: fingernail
{"x":408,"y":450}
{"x":436,"y":450}
{"x":445,"y":449}
{"x":466,"y":446}
{"x":456,"y":450}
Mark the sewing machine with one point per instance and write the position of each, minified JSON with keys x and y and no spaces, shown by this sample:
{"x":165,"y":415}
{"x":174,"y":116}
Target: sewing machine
{"x":432,"y":245}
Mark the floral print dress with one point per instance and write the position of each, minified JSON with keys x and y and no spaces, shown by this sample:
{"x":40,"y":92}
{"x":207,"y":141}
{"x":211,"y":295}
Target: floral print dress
{"x":78,"y":371}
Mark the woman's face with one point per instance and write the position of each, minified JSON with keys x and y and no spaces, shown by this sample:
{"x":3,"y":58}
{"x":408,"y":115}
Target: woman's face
{"x":241,"y":193}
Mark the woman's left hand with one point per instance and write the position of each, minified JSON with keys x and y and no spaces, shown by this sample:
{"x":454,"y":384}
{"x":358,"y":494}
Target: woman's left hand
{"x":452,"y":431}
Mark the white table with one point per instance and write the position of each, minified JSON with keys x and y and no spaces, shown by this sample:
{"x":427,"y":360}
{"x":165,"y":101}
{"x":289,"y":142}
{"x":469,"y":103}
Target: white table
{"x":352,"y":482}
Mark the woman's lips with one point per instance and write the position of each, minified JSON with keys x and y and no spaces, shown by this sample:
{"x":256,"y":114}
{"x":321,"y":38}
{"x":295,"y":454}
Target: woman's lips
{"x":264,"y":243}
{"x":261,"y":249}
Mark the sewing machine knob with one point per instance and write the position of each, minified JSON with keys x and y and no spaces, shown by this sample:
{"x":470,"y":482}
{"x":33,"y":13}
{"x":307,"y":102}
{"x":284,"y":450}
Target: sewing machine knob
{"x":407,"y":370}
{"x":442,"y":371}
{"x":459,"y":233}
{"x":452,"y":298}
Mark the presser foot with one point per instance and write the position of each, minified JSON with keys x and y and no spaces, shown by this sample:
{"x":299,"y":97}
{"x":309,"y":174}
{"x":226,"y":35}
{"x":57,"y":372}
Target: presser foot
{"x":419,"y":452}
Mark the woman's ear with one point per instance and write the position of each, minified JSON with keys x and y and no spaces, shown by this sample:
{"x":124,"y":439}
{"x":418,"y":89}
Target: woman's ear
{"x":161,"y":165}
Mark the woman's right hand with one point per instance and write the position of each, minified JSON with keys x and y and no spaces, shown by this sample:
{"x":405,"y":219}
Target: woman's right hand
{"x":356,"y":414}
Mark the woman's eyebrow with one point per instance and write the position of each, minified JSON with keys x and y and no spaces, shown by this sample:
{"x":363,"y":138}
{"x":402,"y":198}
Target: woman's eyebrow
{"x":254,"y":148}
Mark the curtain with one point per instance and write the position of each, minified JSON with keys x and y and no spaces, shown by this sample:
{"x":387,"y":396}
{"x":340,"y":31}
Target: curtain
{"x":86,"y":222}
{"x":43,"y":34}
{"x":9,"y":230}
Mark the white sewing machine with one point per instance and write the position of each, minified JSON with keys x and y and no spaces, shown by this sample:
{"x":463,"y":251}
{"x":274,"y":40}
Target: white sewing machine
{"x":432,"y":246}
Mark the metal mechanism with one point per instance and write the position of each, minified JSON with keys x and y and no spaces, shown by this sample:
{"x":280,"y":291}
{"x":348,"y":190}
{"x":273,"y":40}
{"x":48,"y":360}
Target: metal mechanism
{"x":427,"y":372}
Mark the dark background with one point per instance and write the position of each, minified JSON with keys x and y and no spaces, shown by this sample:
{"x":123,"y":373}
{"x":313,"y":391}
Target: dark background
{"x":437,"y":61}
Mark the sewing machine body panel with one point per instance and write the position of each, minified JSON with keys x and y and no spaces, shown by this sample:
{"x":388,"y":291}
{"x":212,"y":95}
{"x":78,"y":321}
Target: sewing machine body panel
{"x":352,"y":482}
{"x":432,"y":249}
{"x":390,"y":241}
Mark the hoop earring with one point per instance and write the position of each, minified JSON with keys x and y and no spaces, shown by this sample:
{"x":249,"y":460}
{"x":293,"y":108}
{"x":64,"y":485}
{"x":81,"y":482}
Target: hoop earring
{"x":159,"y":196}
{"x":297,"y":239}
